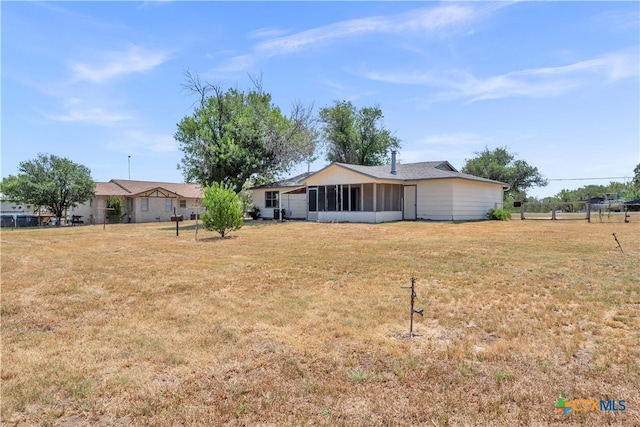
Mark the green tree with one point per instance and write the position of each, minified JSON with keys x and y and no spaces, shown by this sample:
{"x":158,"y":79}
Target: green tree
{"x":356,"y":136}
{"x":224,"y":210}
{"x":54,"y":182}
{"x":115,"y":208}
{"x":633,"y":188}
{"x":233,"y":136}
{"x":9,"y":188}
{"x":500,"y":165}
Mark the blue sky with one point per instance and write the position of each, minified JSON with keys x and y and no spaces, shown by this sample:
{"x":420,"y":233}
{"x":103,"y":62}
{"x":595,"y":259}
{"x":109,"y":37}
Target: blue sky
{"x":555,"y":82}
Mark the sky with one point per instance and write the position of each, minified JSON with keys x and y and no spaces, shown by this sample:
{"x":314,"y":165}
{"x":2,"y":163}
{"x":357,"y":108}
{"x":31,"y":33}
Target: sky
{"x":101,"y":83}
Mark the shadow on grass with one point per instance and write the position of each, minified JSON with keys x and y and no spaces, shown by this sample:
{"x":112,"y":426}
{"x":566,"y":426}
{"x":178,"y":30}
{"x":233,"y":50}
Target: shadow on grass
{"x":217,"y":238}
{"x":247,"y":223}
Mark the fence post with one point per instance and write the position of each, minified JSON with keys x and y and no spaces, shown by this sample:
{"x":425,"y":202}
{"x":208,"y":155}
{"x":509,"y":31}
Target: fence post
{"x":589,"y":210}
{"x":626,"y":213}
{"x":522,"y":210}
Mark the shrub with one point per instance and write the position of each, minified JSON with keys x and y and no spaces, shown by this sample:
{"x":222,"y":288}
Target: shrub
{"x":224,"y":210}
{"x":499,"y":214}
{"x":115,"y":209}
{"x":254,"y":213}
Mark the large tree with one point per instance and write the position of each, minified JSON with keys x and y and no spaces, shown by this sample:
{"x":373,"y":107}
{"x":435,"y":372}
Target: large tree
{"x":356,"y":136}
{"x":501,"y":165}
{"x":233,"y":136}
{"x":54,"y":182}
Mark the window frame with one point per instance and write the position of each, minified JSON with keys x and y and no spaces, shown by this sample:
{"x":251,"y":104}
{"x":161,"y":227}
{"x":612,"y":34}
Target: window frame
{"x":272,"y":199}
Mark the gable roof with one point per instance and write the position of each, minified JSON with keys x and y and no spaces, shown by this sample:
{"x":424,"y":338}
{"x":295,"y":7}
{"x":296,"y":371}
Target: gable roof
{"x":296,"y":181}
{"x":124,"y":187}
{"x":413,"y":172}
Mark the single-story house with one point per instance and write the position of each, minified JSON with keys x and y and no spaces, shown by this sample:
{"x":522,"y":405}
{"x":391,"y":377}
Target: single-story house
{"x":144,"y":201}
{"x":289,"y":194}
{"x":411,"y":191}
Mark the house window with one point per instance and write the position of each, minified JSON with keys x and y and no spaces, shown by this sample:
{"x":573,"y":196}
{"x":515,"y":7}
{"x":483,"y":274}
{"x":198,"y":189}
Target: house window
{"x":183,"y":204}
{"x":272,"y":199}
{"x":144,"y":204}
{"x":168,"y":205}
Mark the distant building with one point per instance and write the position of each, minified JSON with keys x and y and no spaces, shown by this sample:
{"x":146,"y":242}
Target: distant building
{"x":144,"y":201}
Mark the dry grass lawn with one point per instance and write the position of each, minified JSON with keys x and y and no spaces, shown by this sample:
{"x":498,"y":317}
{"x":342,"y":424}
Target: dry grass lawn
{"x":307,"y":324}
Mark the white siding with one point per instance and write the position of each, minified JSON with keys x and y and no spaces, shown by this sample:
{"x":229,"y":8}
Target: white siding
{"x":296,"y":203}
{"x":456,"y":199}
{"x":388,"y":216}
{"x":368,"y":217}
{"x":472,"y":200}
{"x":435,"y":200}
{"x":257,"y":194}
{"x":337,"y":175}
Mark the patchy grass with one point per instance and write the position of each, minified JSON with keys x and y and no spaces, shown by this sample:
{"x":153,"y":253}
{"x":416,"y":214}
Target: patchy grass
{"x":307,"y":324}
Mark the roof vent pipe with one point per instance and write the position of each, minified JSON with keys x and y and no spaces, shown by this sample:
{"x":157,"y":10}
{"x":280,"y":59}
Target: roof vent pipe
{"x":393,"y":162}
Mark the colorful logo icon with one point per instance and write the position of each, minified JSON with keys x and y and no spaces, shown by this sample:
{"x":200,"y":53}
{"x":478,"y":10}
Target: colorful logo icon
{"x":589,"y":405}
{"x":564,"y":406}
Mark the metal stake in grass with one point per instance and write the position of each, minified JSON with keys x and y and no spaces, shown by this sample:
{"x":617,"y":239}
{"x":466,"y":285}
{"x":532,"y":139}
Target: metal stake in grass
{"x":413,"y":298}
{"x":177,"y":218}
{"x":618,"y":247}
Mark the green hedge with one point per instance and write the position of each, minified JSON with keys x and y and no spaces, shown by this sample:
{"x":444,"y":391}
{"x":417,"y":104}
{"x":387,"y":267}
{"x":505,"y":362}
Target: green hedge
{"x":499,"y":214}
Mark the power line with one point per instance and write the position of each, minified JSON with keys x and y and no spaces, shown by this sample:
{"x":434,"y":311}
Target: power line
{"x":588,"y":179}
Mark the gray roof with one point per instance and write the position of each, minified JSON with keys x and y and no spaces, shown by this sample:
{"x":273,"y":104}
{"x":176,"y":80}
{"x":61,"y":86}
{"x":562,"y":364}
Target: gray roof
{"x":415,"y":172}
{"x":296,"y":181}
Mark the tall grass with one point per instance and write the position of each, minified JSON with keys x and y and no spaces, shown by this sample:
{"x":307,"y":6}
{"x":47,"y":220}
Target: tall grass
{"x":307,"y":324}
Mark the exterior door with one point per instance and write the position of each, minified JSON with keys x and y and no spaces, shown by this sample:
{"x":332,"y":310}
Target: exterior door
{"x":131,"y":211}
{"x":409,"y":207}
{"x":312,"y":204}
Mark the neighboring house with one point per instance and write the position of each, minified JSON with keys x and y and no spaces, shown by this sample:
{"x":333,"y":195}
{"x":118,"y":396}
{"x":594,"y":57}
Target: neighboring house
{"x":289,"y":194}
{"x":426,"y":190}
{"x":16,"y":214}
{"x":10,"y":207}
{"x":144,"y":201}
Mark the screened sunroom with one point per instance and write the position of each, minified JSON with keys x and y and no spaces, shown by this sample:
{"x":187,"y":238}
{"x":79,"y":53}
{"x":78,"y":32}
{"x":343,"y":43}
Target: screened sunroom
{"x":363,"y":202}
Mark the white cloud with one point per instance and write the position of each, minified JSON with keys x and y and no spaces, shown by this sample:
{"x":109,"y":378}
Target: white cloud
{"x":115,"y":64}
{"x":541,"y":82}
{"x":92,"y":116}
{"x":431,"y":21}
{"x":263,"y":33}
{"x":451,"y":139}
{"x":619,"y":20}
{"x":237,"y":63}
{"x":299,"y":41}
{"x":133,"y":141}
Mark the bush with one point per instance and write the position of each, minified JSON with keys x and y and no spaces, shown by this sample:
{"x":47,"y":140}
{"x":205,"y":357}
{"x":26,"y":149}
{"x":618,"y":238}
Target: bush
{"x":499,"y":215}
{"x":115,"y":209}
{"x":254,"y":213}
{"x":224,"y":210}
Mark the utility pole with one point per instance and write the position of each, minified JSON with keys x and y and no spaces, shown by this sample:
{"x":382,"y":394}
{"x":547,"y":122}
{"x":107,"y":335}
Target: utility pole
{"x":129,"y":168}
